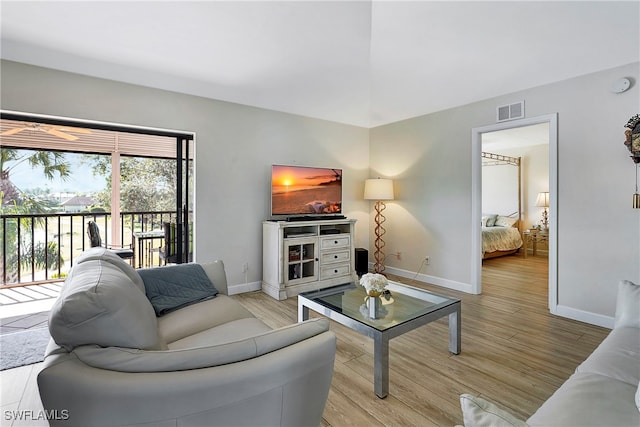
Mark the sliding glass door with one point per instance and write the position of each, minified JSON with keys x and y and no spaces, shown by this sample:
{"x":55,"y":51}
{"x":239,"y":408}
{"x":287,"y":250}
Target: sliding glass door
{"x":147,"y":180}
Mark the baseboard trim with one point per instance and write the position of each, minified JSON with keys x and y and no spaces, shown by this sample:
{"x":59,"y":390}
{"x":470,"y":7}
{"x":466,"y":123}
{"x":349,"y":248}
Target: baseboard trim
{"x":434,"y":280}
{"x":244,"y":287}
{"x":584,"y":316}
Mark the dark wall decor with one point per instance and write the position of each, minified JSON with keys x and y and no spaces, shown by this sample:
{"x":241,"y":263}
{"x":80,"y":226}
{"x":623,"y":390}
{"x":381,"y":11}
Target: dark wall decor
{"x":632,"y":141}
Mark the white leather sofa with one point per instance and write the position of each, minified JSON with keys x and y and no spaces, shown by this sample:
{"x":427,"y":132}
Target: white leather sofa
{"x":603,"y":391}
{"x":112,"y":362}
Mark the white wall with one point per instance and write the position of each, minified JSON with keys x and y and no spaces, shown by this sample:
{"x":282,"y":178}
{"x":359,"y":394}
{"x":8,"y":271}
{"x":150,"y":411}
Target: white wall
{"x":500,"y":189}
{"x":235,"y":147}
{"x":429,"y":157}
{"x":535,"y":169}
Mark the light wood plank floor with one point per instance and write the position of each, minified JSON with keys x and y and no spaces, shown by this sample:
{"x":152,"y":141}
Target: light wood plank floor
{"x":514,"y":353}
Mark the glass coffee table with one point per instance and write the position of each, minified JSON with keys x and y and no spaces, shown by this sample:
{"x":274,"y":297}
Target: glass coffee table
{"x":408,"y":308}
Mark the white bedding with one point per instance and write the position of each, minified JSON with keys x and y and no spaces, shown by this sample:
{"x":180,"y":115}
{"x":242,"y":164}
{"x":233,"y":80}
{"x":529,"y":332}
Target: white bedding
{"x":500,"y":239}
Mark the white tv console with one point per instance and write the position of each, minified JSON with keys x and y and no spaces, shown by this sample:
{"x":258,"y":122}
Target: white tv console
{"x":301,"y":256}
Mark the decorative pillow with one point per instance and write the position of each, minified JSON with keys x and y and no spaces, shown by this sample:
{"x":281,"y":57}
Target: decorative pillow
{"x":177,"y":286}
{"x":477,"y":412}
{"x":627,"y":305}
{"x":505,"y":221}
{"x":99,"y":304}
{"x":491,"y":219}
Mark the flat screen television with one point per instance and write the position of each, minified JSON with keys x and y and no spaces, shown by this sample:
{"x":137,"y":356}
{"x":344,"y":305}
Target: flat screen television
{"x":305,"y":191}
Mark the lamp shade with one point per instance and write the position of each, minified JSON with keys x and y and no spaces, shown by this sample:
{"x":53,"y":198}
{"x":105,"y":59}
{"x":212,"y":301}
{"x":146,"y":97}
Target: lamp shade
{"x":378,"y":189}
{"x":543,"y":199}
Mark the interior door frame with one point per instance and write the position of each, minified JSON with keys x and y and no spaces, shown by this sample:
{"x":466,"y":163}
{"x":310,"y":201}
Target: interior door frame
{"x":476,"y":200}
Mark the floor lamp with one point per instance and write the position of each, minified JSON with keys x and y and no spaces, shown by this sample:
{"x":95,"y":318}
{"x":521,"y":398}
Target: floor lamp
{"x":379,"y":190}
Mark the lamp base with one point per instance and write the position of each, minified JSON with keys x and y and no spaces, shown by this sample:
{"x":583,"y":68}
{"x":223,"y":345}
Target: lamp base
{"x":545,"y":219}
{"x":379,"y":230}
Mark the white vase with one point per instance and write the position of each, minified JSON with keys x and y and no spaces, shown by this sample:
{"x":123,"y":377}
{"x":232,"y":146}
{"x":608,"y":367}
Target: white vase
{"x":374,"y":302}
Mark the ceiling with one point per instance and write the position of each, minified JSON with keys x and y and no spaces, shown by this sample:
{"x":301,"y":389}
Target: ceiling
{"x":518,"y":137}
{"x":365,"y":63}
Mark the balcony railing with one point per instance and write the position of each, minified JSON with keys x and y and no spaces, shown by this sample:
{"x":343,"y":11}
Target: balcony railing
{"x":43,"y":247}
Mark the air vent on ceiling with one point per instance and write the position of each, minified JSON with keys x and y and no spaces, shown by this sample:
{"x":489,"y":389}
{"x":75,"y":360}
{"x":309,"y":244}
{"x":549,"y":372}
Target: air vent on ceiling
{"x":510,"y":111}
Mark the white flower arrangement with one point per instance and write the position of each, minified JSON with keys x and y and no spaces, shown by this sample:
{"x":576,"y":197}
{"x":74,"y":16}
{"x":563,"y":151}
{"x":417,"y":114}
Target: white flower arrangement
{"x":374,"y":283}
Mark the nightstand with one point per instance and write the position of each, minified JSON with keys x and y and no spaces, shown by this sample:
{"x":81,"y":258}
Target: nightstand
{"x":532,"y":238}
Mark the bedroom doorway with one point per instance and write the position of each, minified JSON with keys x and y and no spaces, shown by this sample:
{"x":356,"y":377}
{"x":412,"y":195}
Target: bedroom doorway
{"x":523,"y":163}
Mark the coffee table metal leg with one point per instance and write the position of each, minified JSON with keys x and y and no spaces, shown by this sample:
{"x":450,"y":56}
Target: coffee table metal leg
{"x":381,"y":365}
{"x":303,"y":312}
{"x":455,"y":331}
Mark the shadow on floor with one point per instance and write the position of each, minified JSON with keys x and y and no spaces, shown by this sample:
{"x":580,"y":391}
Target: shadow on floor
{"x":23,"y":322}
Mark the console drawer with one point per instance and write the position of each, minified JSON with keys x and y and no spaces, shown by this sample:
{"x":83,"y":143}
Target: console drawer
{"x":331,"y":257}
{"x":335,"y":271}
{"x":334,"y":242}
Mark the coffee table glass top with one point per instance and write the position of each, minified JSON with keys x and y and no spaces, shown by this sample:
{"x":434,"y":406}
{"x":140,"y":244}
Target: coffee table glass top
{"x":406,"y":303}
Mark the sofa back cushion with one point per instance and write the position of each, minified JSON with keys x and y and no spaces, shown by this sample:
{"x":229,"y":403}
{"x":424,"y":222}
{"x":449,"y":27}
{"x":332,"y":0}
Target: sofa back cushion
{"x":627,"y":305}
{"x":217,"y":275}
{"x":477,"y":411}
{"x":110,"y":257}
{"x":214,"y":354}
{"x":102,"y":303}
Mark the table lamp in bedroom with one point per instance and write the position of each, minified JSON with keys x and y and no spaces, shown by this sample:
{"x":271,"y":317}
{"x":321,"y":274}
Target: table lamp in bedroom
{"x":543,"y":202}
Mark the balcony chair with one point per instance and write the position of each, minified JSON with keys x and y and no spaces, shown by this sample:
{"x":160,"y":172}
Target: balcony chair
{"x":124,"y":252}
{"x":168,"y":252}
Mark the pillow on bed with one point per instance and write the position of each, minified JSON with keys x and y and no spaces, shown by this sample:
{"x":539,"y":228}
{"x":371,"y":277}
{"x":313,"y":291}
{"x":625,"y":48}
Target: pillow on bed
{"x":489,"y":220}
{"x":505,"y":221}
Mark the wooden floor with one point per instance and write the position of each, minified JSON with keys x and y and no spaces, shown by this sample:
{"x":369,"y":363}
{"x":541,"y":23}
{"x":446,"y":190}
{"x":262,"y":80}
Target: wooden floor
{"x":514,"y":353}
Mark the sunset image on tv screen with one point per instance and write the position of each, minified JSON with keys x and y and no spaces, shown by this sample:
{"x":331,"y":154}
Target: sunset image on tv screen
{"x":305,"y":190}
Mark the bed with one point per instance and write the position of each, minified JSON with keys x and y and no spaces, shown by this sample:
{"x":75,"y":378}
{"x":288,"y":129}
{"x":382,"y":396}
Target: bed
{"x":500,"y":236}
{"x":501,"y":233}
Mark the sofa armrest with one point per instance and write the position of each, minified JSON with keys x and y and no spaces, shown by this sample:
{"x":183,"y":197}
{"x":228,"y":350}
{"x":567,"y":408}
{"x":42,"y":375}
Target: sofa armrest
{"x":288,"y":386}
{"x":627,"y":305}
{"x":135,"y":360}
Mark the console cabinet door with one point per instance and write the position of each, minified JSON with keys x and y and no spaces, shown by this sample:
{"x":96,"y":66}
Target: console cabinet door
{"x":300,"y":260}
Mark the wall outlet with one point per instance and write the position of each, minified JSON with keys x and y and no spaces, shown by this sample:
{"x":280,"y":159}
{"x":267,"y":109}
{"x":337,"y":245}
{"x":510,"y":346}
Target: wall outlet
{"x":427,"y":260}
{"x":245,"y":267}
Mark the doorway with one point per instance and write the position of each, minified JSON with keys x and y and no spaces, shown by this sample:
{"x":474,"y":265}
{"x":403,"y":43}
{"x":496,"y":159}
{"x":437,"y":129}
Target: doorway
{"x":476,"y":239}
